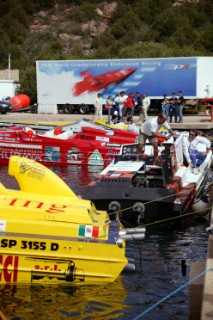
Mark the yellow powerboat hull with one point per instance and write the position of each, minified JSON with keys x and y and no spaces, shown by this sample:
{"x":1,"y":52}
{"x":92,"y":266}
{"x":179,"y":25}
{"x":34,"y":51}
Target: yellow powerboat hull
{"x":120,"y":125}
{"x":29,"y":259}
{"x":48,"y":234}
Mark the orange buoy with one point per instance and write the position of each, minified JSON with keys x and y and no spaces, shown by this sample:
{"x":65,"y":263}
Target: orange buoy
{"x":19,"y":102}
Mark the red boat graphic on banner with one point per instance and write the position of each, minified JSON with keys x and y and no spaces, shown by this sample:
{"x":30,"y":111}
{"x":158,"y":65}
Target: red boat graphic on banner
{"x":102,"y":81}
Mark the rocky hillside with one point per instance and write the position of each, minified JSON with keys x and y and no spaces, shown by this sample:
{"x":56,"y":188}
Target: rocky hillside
{"x":58,"y":21}
{"x":63,"y":23}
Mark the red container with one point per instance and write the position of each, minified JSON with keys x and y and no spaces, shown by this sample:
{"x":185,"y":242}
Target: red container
{"x":19,"y":102}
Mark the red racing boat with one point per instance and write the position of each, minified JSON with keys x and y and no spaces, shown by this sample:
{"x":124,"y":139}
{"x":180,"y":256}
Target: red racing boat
{"x":62,"y":146}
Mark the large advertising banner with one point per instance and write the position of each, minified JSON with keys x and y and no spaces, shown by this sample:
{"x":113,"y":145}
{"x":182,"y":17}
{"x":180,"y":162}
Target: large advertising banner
{"x":79,"y":81}
{"x":205,"y":77}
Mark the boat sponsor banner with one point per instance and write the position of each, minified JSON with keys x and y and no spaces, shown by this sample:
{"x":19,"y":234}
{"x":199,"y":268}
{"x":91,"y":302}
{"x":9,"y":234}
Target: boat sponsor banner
{"x":96,"y":159}
{"x":20,"y":145}
{"x":113,"y":145}
{"x":127,"y":166}
{"x":102,"y":139}
{"x":2,"y":225}
{"x":8,"y":153}
{"x":110,"y":133}
{"x":204,"y":76}
{"x":52,"y":154}
{"x":75,"y":158}
{"x":88,"y":231}
{"x":9,"y":268}
{"x":82,"y":79}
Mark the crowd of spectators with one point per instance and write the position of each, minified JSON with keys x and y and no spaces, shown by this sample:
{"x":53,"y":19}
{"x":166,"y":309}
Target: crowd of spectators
{"x":122,"y":107}
{"x":173,"y":106}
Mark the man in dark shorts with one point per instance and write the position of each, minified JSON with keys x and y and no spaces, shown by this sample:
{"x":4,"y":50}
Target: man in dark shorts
{"x":150,"y":130}
{"x":138,"y":106}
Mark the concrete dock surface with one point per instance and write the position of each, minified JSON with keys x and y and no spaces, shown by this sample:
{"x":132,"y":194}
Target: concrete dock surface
{"x":198,"y":121}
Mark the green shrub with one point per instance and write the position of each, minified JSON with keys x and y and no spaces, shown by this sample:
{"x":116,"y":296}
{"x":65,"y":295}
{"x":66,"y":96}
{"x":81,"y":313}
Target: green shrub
{"x":84,"y":13}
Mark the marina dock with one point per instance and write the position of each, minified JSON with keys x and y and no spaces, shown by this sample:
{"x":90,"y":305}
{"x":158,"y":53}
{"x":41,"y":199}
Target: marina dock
{"x":201,"y":290}
{"x":198,"y":121}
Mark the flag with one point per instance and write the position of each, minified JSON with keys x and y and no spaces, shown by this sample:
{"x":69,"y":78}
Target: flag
{"x":88,"y":231}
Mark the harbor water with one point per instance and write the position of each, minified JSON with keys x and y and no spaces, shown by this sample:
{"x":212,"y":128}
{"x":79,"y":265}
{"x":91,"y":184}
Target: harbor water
{"x":163,"y":263}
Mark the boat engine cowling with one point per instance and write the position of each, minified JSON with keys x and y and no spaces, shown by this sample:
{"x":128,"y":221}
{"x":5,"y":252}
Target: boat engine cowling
{"x":130,"y":234}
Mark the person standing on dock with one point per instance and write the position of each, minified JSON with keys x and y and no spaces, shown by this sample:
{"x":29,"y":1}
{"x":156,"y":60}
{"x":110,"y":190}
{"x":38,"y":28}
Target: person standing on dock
{"x":173,"y":107}
{"x":165,"y":105}
{"x":138,"y":105}
{"x":129,"y":106}
{"x":194,"y":157}
{"x":109,"y":103}
{"x":145,"y":106}
{"x":180,"y":103}
{"x":117,"y":102}
{"x":150,"y":130}
{"x":123,"y":98}
{"x":98,"y":104}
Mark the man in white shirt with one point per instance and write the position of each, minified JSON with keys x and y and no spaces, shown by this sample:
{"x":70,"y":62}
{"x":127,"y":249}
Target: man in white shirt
{"x":117,"y":101}
{"x":122,"y":100}
{"x":150,"y":130}
{"x":145,"y":105}
{"x":98,"y":104}
{"x":194,"y":157}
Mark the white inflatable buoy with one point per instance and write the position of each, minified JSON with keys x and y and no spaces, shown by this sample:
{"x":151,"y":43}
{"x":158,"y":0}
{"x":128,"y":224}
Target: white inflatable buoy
{"x":201,"y":205}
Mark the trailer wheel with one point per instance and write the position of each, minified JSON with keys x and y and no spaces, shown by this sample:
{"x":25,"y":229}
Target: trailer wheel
{"x":68,"y":108}
{"x":83,"y":108}
{"x":34,"y":108}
